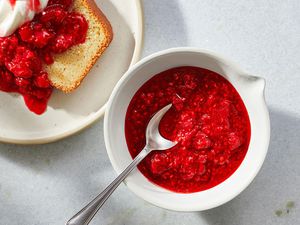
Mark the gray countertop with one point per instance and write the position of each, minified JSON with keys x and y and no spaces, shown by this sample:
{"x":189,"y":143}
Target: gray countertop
{"x":47,"y":184}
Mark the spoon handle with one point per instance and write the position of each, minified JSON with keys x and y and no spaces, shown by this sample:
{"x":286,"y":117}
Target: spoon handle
{"x":84,"y":216}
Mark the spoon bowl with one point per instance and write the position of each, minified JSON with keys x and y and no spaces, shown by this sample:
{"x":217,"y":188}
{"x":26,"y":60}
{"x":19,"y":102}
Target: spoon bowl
{"x":154,"y":141}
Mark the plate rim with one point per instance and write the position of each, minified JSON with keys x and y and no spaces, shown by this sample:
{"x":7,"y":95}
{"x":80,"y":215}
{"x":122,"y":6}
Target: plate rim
{"x":139,"y":38}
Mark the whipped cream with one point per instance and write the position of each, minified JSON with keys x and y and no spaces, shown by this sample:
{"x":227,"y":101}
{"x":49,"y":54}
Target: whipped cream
{"x":14,"y":16}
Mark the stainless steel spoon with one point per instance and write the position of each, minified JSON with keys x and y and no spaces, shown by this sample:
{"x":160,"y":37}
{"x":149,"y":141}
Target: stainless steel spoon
{"x":154,"y":141}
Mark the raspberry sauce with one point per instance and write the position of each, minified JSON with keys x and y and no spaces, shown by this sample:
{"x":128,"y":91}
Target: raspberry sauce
{"x":12,"y":2}
{"x":208,"y":120}
{"x":23,"y":54}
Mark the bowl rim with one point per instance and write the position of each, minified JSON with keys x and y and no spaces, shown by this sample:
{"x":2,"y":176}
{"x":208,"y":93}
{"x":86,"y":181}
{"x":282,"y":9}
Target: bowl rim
{"x":133,"y":187}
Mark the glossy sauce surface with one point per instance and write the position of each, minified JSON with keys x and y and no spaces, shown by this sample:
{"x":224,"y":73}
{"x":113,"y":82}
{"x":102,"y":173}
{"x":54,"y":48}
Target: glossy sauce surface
{"x":208,"y":120}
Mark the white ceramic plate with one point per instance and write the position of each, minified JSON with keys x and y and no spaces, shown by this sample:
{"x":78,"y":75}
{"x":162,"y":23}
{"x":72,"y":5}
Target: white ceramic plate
{"x":69,"y":113}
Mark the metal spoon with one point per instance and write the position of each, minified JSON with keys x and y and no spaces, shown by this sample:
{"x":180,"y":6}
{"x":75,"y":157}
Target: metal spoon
{"x":154,"y":141}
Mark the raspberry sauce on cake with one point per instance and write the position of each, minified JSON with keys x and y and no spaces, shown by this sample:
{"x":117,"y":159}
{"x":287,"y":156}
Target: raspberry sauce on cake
{"x":22,"y":55}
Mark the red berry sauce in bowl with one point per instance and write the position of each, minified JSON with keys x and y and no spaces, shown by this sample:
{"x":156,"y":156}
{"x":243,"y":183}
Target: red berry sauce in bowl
{"x":208,"y":120}
{"x":23,"y":54}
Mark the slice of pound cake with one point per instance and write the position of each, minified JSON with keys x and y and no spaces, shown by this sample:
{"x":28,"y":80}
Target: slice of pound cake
{"x":72,"y":66}
{"x":46,"y":44}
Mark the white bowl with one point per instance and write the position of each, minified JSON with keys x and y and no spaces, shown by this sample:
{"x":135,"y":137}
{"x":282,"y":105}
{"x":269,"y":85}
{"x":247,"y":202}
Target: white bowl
{"x":250,"y":88}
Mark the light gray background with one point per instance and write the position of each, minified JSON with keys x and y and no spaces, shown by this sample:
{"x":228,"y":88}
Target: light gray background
{"x":45,"y":185}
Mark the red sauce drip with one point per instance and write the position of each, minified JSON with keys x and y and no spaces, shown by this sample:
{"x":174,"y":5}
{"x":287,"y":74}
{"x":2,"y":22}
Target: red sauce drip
{"x":23,"y":54}
{"x":12,"y":2}
{"x":208,"y":120}
{"x":34,"y":5}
